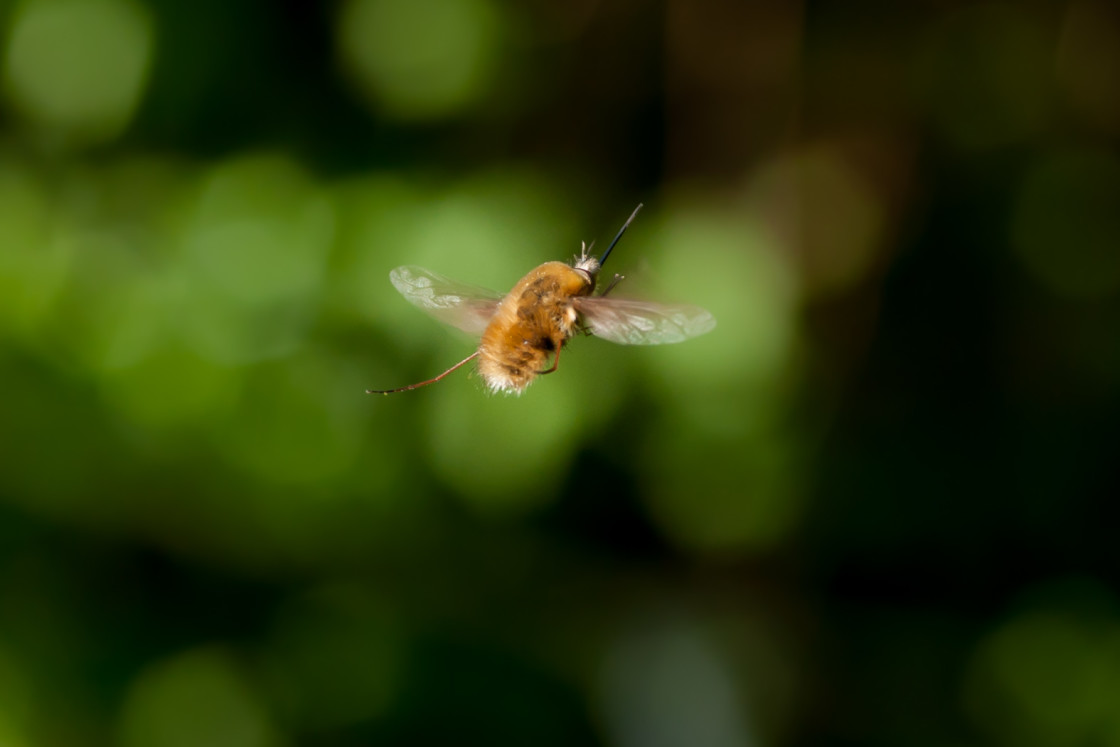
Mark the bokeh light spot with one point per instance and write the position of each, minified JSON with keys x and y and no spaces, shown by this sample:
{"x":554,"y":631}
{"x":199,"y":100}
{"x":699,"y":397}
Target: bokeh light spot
{"x":671,"y":685}
{"x":255,"y":251}
{"x":378,"y":216}
{"x":33,"y":267}
{"x":419,"y":59}
{"x":982,"y":74}
{"x":142,"y":390}
{"x":1088,"y":64}
{"x":78,"y":65}
{"x":199,"y":697}
{"x":1066,"y":223}
{"x":729,"y":265}
{"x":15,"y":703}
{"x":722,"y":497}
{"x":294,"y":423}
{"x":830,"y":220}
{"x":503,"y":454}
{"x":1048,"y":679}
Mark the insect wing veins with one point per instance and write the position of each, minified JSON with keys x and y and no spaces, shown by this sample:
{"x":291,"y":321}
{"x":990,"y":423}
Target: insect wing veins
{"x":631,"y":322}
{"x":461,"y":305}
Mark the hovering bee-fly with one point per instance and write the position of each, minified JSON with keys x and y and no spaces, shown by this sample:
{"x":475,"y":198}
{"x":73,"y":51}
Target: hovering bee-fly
{"x":523,"y":329}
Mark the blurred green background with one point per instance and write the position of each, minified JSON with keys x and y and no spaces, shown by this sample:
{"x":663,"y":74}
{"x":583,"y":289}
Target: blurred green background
{"x":876,"y":506}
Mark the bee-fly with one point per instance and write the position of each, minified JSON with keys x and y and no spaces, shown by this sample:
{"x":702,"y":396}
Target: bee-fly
{"x":532,"y":323}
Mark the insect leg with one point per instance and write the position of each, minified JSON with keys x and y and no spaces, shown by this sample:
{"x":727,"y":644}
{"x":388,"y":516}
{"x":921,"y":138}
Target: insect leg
{"x":463,"y":362}
{"x":555,"y":360}
{"x":614,"y":281}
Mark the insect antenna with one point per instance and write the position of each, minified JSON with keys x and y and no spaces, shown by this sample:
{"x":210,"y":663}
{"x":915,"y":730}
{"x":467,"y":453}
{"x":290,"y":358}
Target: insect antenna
{"x":621,"y":231}
{"x":461,"y":363}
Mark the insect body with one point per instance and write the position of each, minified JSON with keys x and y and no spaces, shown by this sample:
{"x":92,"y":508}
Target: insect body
{"x":521,"y":330}
{"x":534,"y":320}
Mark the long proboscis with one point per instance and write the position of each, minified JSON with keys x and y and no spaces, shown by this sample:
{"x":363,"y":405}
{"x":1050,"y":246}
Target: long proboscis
{"x":603,"y":259}
{"x":458,"y":365}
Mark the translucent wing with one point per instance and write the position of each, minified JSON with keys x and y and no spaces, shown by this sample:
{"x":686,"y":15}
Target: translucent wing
{"x":466,"y":307}
{"x":630,"y":322}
